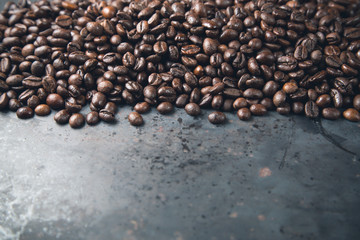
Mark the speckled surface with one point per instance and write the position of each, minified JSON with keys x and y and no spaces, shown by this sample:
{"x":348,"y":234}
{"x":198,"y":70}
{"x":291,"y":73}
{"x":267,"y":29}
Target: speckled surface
{"x":177,"y":177}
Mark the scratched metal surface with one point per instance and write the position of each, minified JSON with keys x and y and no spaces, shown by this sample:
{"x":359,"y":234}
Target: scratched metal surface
{"x":177,"y":177}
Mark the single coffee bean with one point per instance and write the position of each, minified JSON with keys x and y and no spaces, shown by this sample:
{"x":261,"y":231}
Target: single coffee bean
{"x":258,"y":109}
{"x":77,"y":120}
{"x":244,"y":114}
{"x":165,"y":108}
{"x":351,"y":114}
{"x":62,"y":117}
{"x":135,"y":119}
{"x":142,"y":107}
{"x":25,"y":113}
{"x":356,"y":102}
{"x":106,"y":116}
{"x":55,"y":101}
{"x":4,"y":101}
{"x":311,"y":109}
{"x":92,"y":118}
{"x":192,"y":109}
{"x":331,"y":113}
{"x":217,"y":118}
{"x":42,"y":110}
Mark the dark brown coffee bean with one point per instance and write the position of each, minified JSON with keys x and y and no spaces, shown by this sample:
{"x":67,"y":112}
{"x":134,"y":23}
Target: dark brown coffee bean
{"x":62,"y":117}
{"x":63,"y":21}
{"x":107,"y":116}
{"x":356,"y":102}
{"x":217,"y":102}
{"x":331,"y":113}
{"x":279,"y":98}
{"x":298,"y":107}
{"x":33,"y":101}
{"x":311,"y":109}
{"x":55,"y":101}
{"x":182,"y":100}
{"x":191,"y":79}
{"x":192,"y":109}
{"x":240,"y":103}
{"x":77,"y":120}
{"x":4,"y":101}
{"x":323,"y":100}
{"x":258,"y":110}
{"x":42,"y":110}
{"x":217,"y":118}
{"x":244,"y":114}
{"x":14,"y":105}
{"x":135,"y":119}
{"x":165,"y":108}
{"x":352,"y":115}
{"x":284,"y":110}
{"x":210,"y":46}
{"x":253,"y":93}
{"x":25,"y":113}
{"x":92,"y":118}
{"x":14,"y":80}
{"x":142,"y":107}
{"x":95,"y":28}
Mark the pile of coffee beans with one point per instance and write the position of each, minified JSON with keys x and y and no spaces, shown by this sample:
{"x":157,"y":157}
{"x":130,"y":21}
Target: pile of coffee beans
{"x":248,"y":57}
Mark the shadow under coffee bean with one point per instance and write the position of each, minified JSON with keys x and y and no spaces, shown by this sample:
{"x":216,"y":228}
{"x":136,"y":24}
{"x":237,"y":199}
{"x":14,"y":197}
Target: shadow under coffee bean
{"x":243,"y":57}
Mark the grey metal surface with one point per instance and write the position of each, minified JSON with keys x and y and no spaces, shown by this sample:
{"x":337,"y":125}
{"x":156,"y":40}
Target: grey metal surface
{"x":177,"y":177}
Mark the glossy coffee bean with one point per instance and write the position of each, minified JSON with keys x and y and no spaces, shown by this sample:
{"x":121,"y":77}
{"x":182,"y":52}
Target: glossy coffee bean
{"x":42,"y":110}
{"x":55,"y":101}
{"x":192,"y":109}
{"x":62,"y":117}
{"x":258,"y":109}
{"x":352,"y":115}
{"x":244,"y":114}
{"x":217,"y":118}
{"x":165,"y":108}
{"x":77,"y":120}
{"x":92,"y":118}
{"x":135,"y":119}
{"x":25,"y":113}
{"x":331,"y":113}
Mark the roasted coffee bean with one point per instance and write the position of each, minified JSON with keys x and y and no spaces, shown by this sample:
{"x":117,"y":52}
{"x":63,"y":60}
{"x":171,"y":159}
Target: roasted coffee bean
{"x":92,"y":118}
{"x":14,"y":104}
{"x":192,"y":109}
{"x":42,"y":110}
{"x":311,"y":109}
{"x":77,"y":120}
{"x":279,"y":98}
{"x":352,"y":115}
{"x":331,"y":113}
{"x":258,"y":110}
{"x":62,"y":117}
{"x":142,"y":107}
{"x":4,"y":101}
{"x":135,"y":119}
{"x":106,"y":116}
{"x":217,"y":118}
{"x":33,"y":101}
{"x":244,"y":114}
{"x":356,"y":102}
{"x":55,"y":101}
{"x":26,"y":112}
{"x":165,"y":108}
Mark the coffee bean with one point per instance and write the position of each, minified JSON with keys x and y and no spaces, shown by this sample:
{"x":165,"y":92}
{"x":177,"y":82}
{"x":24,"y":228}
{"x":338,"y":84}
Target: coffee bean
{"x":25,"y":113}
{"x":92,"y":118}
{"x":331,"y":113}
{"x":108,"y":11}
{"x":4,"y":101}
{"x":192,"y":109}
{"x":135,"y":119}
{"x":210,"y":46}
{"x":258,"y":110}
{"x":142,"y":107}
{"x":42,"y":110}
{"x":106,"y":115}
{"x":311,"y":109}
{"x":95,"y":28}
{"x":352,"y":115}
{"x":55,"y":101}
{"x":77,"y":120}
{"x":244,"y":114}
{"x":165,"y":108}
{"x":217,"y":118}
{"x":356,"y":102}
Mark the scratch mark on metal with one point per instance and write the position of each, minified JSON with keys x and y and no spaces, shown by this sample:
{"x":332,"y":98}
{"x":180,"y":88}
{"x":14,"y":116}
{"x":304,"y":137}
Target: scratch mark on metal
{"x":330,"y":138}
{"x":283,"y":160}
